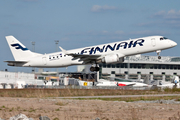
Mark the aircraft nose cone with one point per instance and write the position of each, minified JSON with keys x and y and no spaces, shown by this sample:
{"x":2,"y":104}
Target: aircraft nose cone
{"x":173,"y":43}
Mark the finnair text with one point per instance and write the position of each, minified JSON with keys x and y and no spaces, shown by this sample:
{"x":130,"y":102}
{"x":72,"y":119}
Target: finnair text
{"x":116,"y":46}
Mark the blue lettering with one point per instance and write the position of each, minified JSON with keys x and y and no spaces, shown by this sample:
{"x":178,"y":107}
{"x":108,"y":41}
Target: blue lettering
{"x":140,"y":41}
{"x":84,"y":51}
{"x":91,"y":51}
{"x":130,"y":44}
{"x":121,"y":45}
{"x":124,"y":45}
{"x":112,"y":48}
{"x":99,"y":49}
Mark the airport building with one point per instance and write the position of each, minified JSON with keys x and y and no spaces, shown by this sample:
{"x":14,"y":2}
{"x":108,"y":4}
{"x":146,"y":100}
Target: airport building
{"x":16,"y":79}
{"x":133,"y":67}
{"x":10,"y":80}
{"x":143,"y":67}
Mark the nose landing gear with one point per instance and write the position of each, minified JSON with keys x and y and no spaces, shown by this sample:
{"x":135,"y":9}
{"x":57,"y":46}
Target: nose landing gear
{"x":159,"y":57}
{"x":158,"y":53}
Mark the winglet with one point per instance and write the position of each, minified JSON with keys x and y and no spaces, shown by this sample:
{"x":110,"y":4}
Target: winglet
{"x":63,"y":50}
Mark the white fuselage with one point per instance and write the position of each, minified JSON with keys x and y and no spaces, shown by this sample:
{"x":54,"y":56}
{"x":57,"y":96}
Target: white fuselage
{"x":125,"y":48}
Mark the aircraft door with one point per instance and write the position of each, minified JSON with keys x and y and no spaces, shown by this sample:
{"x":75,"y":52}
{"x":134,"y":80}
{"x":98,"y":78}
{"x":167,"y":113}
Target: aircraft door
{"x":44,"y":60}
{"x":153,"y":42}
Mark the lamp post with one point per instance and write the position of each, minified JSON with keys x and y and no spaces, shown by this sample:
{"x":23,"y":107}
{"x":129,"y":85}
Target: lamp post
{"x":33,"y":46}
{"x":56,"y":42}
{"x":33,"y":49}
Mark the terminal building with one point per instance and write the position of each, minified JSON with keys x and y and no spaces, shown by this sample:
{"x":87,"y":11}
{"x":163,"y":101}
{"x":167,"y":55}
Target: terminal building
{"x":134,"y":67}
{"x":141,"y":67}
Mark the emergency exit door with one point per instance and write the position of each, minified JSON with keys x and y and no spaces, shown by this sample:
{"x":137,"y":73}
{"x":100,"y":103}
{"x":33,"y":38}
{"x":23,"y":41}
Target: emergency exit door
{"x":153,"y":42}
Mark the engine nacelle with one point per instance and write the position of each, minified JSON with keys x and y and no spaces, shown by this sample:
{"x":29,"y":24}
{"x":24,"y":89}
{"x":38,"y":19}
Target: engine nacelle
{"x":112,"y":59}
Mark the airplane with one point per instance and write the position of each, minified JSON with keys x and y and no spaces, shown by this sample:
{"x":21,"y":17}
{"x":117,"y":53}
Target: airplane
{"x":121,"y":82}
{"x":127,"y":83}
{"x":174,"y":83}
{"x":105,"y":53}
{"x":103,"y":82}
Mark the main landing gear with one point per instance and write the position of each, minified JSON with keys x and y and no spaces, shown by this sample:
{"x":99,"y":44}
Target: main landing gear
{"x":158,"y":53}
{"x":92,"y":68}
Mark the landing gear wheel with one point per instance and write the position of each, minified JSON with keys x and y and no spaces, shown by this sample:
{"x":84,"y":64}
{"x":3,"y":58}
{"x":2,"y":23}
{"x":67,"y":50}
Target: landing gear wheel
{"x":92,"y":69}
{"x":158,"y":53}
{"x":96,"y":68}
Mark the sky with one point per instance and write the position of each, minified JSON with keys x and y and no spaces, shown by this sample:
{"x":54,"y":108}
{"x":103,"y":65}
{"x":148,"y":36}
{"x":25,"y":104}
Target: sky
{"x":81,"y":23}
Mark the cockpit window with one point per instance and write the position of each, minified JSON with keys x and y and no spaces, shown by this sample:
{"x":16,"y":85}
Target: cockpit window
{"x":163,"y":38}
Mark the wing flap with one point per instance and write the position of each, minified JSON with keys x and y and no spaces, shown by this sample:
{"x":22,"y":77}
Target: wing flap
{"x":85,"y":58}
{"x":82,"y":57}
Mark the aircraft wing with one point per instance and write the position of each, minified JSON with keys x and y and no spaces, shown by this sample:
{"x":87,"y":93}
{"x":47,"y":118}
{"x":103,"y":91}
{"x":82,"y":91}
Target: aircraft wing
{"x":85,"y":58}
{"x":82,"y":57}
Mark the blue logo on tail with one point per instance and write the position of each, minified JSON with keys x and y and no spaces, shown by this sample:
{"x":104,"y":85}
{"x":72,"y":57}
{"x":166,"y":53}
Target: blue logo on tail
{"x":18,"y":46}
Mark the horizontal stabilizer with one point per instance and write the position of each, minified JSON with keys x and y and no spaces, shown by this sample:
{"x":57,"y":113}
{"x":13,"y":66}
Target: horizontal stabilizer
{"x":15,"y":63}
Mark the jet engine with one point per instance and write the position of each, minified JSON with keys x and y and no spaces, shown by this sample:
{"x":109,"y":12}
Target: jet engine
{"x":113,"y":59}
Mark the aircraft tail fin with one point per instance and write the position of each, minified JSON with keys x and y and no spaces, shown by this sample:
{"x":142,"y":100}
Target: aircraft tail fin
{"x":19,"y":51}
